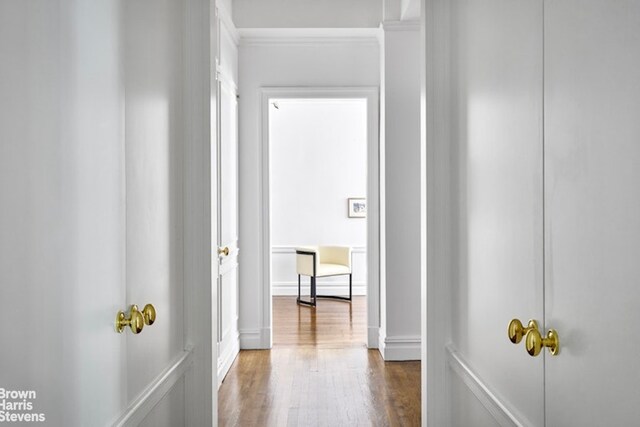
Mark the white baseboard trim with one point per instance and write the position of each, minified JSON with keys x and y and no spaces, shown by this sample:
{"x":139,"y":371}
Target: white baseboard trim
{"x":155,"y":391}
{"x":255,"y":339}
{"x":372,"y":337}
{"x":332,"y":288}
{"x":498,"y":410}
{"x":266,"y":338}
{"x":250,"y":339}
{"x":400,"y":347}
{"x":225,"y":360}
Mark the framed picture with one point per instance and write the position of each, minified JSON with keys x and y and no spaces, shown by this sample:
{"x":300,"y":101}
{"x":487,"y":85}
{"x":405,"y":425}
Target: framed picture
{"x":357,"y":207}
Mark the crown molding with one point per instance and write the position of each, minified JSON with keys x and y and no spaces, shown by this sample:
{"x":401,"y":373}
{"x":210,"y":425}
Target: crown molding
{"x":225,"y":17}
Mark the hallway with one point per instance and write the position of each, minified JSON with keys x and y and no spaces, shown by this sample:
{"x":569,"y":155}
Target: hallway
{"x":319,"y":372}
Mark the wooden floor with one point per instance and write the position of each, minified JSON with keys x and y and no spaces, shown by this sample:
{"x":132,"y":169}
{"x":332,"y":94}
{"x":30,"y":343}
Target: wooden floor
{"x":319,"y":373}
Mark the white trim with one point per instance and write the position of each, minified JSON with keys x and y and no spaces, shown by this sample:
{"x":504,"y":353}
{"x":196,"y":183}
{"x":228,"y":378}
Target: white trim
{"x":400,"y":347}
{"x":304,"y":36}
{"x":279,"y":289}
{"x":498,"y":410}
{"x":401,"y":25}
{"x":291,"y":249}
{"x":225,"y":18}
{"x":250,"y":339}
{"x":435,"y":206}
{"x":200,"y":304}
{"x":227,"y":357}
{"x":155,"y":391}
{"x":373,"y":339}
{"x":374,"y":189}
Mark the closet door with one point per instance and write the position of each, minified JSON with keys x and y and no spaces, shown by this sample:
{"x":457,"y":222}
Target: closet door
{"x":154,"y":148}
{"x":497,"y":131}
{"x":592,"y":191}
{"x":227,"y":251}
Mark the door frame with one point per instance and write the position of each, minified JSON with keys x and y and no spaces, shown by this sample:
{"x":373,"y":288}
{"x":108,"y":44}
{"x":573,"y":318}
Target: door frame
{"x":436,"y":234}
{"x":200,"y":213}
{"x":374,"y":249}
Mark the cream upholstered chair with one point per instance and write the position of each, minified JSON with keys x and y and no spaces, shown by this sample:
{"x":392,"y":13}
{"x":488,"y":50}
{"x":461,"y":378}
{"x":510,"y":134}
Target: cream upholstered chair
{"x":323,"y":261}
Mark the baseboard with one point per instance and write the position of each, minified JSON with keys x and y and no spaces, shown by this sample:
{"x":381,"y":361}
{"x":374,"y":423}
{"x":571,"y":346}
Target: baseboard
{"x":250,"y":339}
{"x":400,"y":347}
{"x":498,"y":410}
{"x":332,"y":288}
{"x":255,"y":339}
{"x":372,"y":337}
{"x":225,"y":360}
{"x":155,"y":391}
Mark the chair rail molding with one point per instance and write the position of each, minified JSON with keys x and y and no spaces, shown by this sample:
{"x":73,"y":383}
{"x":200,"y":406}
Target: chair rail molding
{"x":307,"y":36}
{"x":281,"y":286}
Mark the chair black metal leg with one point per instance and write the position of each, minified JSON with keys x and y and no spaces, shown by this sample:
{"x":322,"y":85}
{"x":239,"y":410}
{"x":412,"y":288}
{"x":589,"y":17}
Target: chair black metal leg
{"x":312,"y":291}
{"x":314,"y":295}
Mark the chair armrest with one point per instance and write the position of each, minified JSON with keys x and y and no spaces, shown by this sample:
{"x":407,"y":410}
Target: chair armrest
{"x":307,"y":260}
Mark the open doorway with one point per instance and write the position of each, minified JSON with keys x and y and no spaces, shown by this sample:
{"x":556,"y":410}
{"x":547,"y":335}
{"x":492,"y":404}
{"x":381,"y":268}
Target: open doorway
{"x":318,"y":187}
{"x":320,"y":148}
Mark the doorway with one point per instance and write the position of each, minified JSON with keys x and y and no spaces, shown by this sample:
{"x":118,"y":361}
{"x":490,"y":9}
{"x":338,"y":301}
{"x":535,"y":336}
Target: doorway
{"x":318,"y":157}
{"x":279,"y":255}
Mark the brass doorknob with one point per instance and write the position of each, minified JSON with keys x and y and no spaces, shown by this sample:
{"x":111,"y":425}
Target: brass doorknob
{"x":534,"y":342}
{"x":516,"y":331}
{"x":149,"y":314}
{"x":223,"y":251}
{"x":135,"y":321}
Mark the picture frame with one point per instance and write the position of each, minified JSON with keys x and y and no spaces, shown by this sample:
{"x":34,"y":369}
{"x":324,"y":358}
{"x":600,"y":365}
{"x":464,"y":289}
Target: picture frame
{"x":357,"y":207}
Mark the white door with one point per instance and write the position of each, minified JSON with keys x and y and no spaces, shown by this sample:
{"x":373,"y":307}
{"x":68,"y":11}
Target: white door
{"x":498,"y":129}
{"x":62,"y":212}
{"x":227,"y":251}
{"x":154,"y":146}
{"x":94,"y":134}
{"x":592,"y":215}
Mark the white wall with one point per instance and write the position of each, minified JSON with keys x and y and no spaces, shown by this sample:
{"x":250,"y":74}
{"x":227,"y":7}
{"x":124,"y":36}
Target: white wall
{"x":333,"y":62}
{"x":307,"y":13}
{"x":400,"y":288}
{"x":318,"y":160}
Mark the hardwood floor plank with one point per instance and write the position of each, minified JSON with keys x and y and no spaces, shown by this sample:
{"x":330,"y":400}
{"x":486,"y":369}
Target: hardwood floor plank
{"x":319,"y":373}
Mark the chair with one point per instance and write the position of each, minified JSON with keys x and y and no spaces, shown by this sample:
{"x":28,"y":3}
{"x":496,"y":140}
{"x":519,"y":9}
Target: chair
{"x":323,"y":261}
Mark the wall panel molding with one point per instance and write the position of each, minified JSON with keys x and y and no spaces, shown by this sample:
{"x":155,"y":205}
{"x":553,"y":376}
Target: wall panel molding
{"x":498,"y":409}
{"x":156,"y":390}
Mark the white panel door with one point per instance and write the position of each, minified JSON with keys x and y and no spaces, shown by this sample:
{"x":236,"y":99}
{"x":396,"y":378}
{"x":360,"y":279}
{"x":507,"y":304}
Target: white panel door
{"x":592,"y":191}
{"x":228,"y":340}
{"x":497,"y":58}
{"x":92,"y":143}
{"x":154,"y":147}
{"x":62,"y":211}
